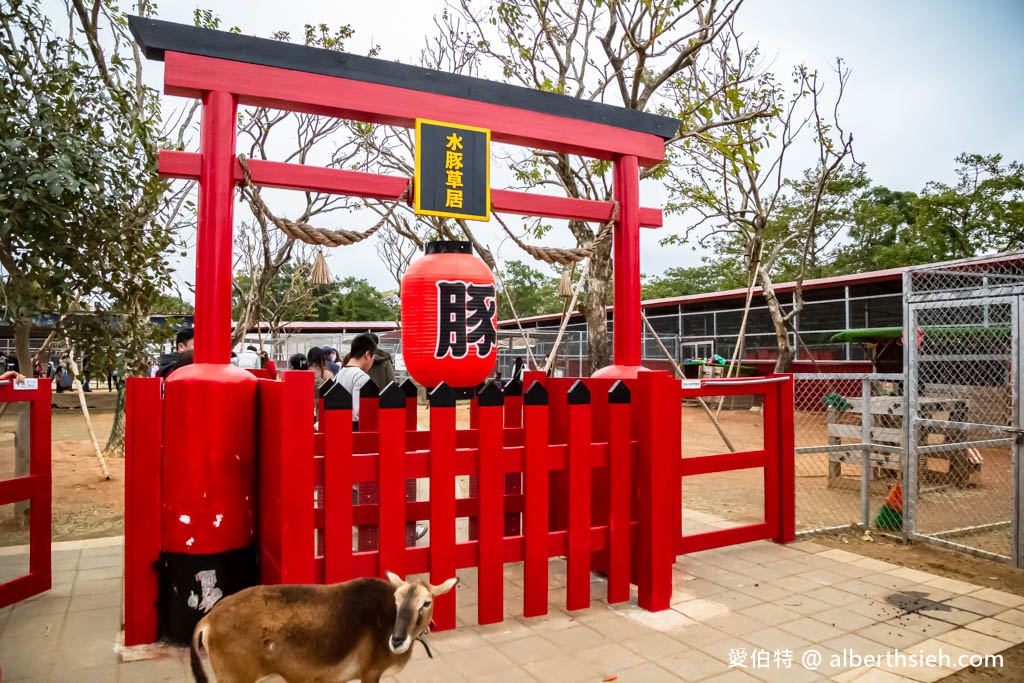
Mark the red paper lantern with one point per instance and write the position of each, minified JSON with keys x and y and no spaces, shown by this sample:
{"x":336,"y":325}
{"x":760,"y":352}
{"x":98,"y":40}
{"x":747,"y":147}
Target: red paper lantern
{"x":449,"y":317}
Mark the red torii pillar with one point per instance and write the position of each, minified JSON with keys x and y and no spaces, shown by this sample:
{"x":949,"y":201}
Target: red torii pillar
{"x":214,"y":239}
{"x":627,"y":334}
{"x":208,"y":475}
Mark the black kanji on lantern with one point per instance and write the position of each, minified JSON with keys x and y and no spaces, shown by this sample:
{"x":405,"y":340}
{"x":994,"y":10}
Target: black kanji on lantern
{"x":465,"y":318}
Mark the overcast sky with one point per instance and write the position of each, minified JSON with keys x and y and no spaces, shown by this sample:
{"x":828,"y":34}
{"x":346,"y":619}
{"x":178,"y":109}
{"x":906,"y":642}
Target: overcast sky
{"x":930,"y":79}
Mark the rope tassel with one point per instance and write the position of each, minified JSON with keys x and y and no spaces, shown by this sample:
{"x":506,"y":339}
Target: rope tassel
{"x":565,"y":284}
{"x":319,"y":274}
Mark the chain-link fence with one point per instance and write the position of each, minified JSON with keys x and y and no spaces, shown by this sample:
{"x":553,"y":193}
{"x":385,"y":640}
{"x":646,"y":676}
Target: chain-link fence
{"x":964,"y":377}
{"x":841,"y":419}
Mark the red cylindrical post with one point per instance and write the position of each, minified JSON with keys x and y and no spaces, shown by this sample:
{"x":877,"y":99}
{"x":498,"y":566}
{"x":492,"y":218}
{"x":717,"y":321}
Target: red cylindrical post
{"x":626,"y":256}
{"x":209,"y":492}
{"x":214,"y":230}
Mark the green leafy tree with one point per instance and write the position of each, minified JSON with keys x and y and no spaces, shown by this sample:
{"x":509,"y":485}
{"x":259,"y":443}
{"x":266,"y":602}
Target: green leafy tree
{"x":884,"y":233}
{"x":532,"y":292}
{"x":738,"y":180}
{"x":83,"y":226}
{"x":356,"y":299}
{"x":713,"y":276}
{"x":171,"y":304}
{"x":287,"y":296}
{"x":983,"y":212}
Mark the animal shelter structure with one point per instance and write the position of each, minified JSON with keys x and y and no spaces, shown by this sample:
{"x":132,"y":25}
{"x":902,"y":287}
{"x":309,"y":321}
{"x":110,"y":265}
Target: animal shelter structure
{"x":217,"y":500}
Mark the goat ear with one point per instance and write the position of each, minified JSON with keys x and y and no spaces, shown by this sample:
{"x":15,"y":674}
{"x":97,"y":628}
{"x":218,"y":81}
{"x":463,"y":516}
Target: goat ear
{"x":444,"y":587}
{"x":395,"y":580}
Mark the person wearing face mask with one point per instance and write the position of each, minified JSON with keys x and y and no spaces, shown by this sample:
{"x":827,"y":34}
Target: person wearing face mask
{"x":354,"y":371}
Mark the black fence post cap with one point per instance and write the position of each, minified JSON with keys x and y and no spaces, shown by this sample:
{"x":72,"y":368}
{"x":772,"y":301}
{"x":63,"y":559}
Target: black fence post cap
{"x":514,"y":387}
{"x":619,"y":393}
{"x":409,"y":387}
{"x":579,"y":394}
{"x":536,"y":395}
{"x":490,"y":395}
{"x":369,"y":390}
{"x":335,"y":396}
{"x":441,"y":396}
{"x":392,"y":396}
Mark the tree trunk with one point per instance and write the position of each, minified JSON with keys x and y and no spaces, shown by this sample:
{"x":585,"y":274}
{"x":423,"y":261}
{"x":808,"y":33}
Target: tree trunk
{"x":786,"y":352}
{"x":250,"y":316}
{"x":115,"y":442}
{"x":77,"y":388}
{"x":595,"y":301}
{"x":786,"y":349}
{"x":22,"y":445}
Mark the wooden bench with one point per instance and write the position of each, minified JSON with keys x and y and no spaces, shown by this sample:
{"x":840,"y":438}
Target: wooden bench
{"x":886,"y":429}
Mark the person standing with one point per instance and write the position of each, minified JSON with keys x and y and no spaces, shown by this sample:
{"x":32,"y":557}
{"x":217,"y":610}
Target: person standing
{"x":383,"y":370}
{"x":354,"y":373}
{"x":183,"y":341}
{"x":517,"y":369}
{"x":316,"y":360}
{"x":267,"y":363}
{"x":249,"y":359}
{"x":86,"y":373}
{"x":331,"y":357}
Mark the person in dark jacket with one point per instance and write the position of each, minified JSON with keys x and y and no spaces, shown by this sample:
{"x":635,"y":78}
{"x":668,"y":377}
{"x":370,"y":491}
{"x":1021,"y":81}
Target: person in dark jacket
{"x":332,"y":359}
{"x":184,"y":341}
{"x":383,"y":370}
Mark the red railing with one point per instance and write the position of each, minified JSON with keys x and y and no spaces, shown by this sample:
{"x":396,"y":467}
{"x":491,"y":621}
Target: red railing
{"x":595,"y":468}
{"x":775,"y":457}
{"x":31,"y":487}
{"x":592,"y":457}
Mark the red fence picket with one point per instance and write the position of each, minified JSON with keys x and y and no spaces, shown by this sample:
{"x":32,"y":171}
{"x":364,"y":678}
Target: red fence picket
{"x":442,"y":500}
{"x":143,"y":436}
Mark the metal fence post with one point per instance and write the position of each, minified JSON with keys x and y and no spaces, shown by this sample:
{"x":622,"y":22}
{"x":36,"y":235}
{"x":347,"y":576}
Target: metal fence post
{"x":867,"y":419}
{"x":910,"y":370}
{"x":1017,"y":470}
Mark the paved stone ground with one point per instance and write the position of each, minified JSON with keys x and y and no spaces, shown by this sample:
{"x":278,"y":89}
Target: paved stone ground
{"x":734,"y":606}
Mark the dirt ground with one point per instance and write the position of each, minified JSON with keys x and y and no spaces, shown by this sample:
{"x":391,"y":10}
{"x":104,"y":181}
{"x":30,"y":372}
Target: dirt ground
{"x":84,"y":504}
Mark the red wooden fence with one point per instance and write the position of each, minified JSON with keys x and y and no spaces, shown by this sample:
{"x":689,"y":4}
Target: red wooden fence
{"x":599,"y":464}
{"x":32,"y":487}
{"x":589,"y":470}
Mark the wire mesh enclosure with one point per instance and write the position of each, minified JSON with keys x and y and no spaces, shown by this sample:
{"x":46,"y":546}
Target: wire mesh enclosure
{"x":841,"y":420}
{"x":963,"y":380}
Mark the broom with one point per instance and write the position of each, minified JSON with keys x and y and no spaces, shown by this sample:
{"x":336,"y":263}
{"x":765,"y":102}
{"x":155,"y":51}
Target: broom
{"x":890,"y":516}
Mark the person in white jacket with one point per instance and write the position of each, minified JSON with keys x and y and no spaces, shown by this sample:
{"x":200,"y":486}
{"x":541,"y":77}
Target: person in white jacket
{"x":354,"y":371}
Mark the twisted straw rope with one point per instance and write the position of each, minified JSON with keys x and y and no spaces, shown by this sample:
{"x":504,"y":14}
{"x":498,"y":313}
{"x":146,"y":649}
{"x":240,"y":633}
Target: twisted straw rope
{"x":565,"y":257}
{"x":305,"y":232}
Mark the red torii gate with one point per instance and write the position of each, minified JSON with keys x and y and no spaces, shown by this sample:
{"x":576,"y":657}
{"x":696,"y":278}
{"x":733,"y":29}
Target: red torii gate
{"x":225,"y":70}
{"x":192,"y":441}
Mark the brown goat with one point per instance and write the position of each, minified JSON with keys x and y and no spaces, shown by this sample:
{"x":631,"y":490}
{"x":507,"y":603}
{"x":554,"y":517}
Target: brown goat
{"x":357,"y":630}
